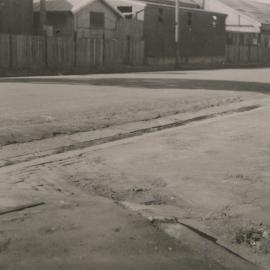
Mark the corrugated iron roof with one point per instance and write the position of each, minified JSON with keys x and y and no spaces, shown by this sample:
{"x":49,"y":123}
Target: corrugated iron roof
{"x":256,"y":10}
{"x":182,"y":3}
{"x":69,"y":5}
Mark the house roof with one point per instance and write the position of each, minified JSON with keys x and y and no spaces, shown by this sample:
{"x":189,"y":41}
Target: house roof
{"x":255,"y":10}
{"x":134,"y":3}
{"x":182,"y":3}
{"x":73,"y":6}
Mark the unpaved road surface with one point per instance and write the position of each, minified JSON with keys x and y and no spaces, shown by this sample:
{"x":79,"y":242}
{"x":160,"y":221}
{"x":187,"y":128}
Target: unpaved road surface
{"x":38,"y":108}
{"x":126,"y":204}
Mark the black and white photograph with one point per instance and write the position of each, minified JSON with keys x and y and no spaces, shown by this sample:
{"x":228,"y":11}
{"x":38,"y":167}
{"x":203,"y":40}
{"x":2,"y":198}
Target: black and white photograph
{"x":134,"y":134}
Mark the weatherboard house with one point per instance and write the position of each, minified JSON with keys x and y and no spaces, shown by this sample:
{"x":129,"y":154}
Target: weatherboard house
{"x":202,"y":34}
{"x":136,"y":8}
{"x":247,"y":22}
{"x":86,"y":18}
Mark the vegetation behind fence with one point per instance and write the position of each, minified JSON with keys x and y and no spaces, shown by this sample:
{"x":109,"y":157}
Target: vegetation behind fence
{"x":67,"y":53}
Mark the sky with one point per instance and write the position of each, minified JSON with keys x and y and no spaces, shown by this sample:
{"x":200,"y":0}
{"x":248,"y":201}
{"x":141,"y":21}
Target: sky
{"x":262,"y":1}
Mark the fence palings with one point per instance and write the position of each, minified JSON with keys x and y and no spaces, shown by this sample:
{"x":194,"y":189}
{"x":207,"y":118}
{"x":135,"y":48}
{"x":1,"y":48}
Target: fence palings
{"x":247,"y":54}
{"x":67,"y":53}
{"x":60,"y":53}
{"x":4,"y":51}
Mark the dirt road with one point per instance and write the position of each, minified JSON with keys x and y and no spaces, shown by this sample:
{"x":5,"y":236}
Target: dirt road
{"x":115,"y":206}
{"x":177,"y":198}
{"x":38,"y":108}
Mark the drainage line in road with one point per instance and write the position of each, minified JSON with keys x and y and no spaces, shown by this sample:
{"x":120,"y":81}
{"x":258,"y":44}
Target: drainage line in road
{"x":140,"y":132}
{"x":135,"y":133}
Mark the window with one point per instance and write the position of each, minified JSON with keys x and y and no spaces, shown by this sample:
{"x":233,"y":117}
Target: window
{"x":97,"y":20}
{"x":125,"y":9}
{"x":214,"y":21}
{"x":160,"y":15}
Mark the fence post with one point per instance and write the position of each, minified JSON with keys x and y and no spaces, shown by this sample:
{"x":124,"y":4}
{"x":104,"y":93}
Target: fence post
{"x":10,"y":51}
{"x":103,"y":50}
{"x":95,"y":51}
{"x":45,"y":36}
{"x":128,"y":49}
{"x":239,"y":53}
{"x":75,"y":40}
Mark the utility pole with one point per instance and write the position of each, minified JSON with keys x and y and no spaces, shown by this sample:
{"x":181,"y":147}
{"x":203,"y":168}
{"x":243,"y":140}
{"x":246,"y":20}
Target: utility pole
{"x":177,"y":45}
{"x":203,"y":4}
{"x":43,"y":29}
{"x":43,"y":16}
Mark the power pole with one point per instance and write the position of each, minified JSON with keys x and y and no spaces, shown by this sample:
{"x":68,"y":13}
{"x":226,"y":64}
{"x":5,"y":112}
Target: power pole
{"x":203,"y":4}
{"x":43,"y":16}
{"x":177,"y":45}
{"x":43,"y":29}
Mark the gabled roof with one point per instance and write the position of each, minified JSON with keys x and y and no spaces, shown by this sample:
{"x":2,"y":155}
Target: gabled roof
{"x":255,"y":10}
{"x":133,"y":3}
{"x":72,"y":6}
{"x":182,"y":3}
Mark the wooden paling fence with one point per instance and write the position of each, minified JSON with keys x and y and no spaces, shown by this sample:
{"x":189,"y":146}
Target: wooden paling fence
{"x":247,"y":54}
{"x":67,"y":53}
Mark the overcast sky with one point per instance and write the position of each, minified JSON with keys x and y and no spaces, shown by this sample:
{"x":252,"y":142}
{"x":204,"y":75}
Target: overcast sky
{"x":264,"y":1}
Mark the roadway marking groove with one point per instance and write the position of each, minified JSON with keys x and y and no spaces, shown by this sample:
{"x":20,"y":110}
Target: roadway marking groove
{"x":121,"y":136}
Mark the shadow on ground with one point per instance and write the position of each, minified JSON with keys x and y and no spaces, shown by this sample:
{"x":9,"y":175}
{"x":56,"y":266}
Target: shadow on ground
{"x":154,"y":83}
